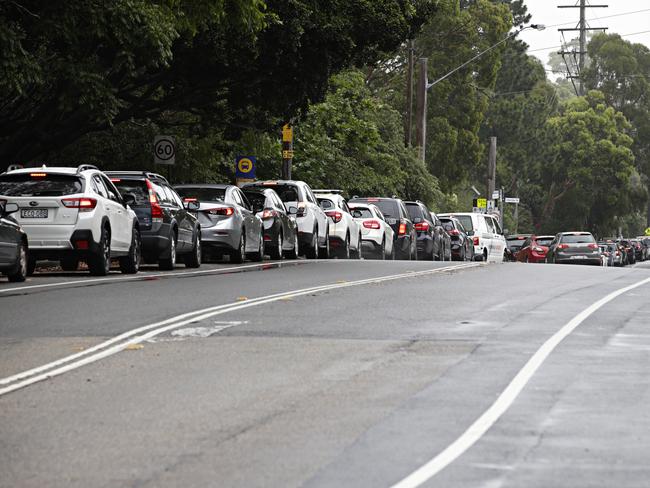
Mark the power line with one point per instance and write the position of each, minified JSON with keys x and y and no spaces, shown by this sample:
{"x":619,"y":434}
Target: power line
{"x":604,"y":17}
{"x":614,"y":33}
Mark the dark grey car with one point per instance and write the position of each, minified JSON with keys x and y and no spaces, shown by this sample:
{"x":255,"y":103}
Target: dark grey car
{"x":13,"y":244}
{"x":574,"y":248}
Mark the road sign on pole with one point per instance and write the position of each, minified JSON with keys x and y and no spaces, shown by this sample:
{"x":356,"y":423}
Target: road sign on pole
{"x":511,"y":200}
{"x":164,"y":150}
{"x":287,"y":151}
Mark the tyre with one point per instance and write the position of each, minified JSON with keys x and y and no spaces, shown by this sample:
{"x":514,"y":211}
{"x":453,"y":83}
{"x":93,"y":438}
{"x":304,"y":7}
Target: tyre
{"x":70,"y":263}
{"x":293,"y":254}
{"x":312,"y":251}
{"x":20,"y":273}
{"x":99,"y":263}
{"x":195,"y":258}
{"x":414,"y":250}
{"x":130,"y":264}
{"x":382,"y":250}
{"x":326,"y":251}
{"x":358,"y":253}
{"x":168,"y":263}
{"x":344,"y":253}
{"x":276,"y":251}
{"x":238,"y":256}
{"x":258,"y":255}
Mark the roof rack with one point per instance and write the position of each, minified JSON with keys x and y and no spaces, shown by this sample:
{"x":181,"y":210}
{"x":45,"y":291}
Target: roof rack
{"x":13,"y":167}
{"x":146,"y":174}
{"x":86,"y":167}
{"x":321,"y":190}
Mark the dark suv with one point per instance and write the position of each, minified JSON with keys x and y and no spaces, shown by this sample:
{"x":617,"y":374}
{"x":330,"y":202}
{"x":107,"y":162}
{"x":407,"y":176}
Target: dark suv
{"x":429,"y":240}
{"x":168,"y":229}
{"x":397,"y":216}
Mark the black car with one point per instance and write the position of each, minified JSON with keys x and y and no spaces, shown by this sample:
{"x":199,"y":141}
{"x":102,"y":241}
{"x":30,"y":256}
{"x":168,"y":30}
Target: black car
{"x":462,"y":246}
{"x":13,"y":245}
{"x":280,"y":228}
{"x":167,"y":227}
{"x":394,"y":210}
{"x":630,"y":252}
{"x":445,"y":238}
{"x":574,"y":248}
{"x":429,"y":239}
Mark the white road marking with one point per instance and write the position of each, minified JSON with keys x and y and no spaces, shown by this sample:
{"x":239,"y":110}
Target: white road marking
{"x":141,"y":334}
{"x":506,"y":398}
{"x":204,"y":332}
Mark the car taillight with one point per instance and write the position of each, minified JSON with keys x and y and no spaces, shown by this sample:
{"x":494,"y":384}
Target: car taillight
{"x":116,"y":180}
{"x":476,"y":240}
{"x":371,"y":224}
{"x":563,"y":246}
{"x":269,"y":213}
{"x":422,"y":226}
{"x":38,"y":175}
{"x":402,"y":229}
{"x":618,"y":253}
{"x":454,"y":232}
{"x":83,"y":204}
{"x":593,"y":246}
{"x":190,"y":199}
{"x":156,"y":209}
{"x":335,"y":215}
{"x":225,"y":211}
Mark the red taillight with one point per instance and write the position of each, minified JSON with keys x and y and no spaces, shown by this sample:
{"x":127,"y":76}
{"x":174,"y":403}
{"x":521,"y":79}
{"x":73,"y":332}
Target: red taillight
{"x":116,"y":180}
{"x":371,"y":224}
{"x":453,"y":232}
{"x":269,"y":213}
{"x":83,"y":245}
{"x":156,"y":210}
{"x":335,"y":215}
{"x":225,"y":211}
{"x":476,"y":240}
{"x":618,"y":253}
{"x":83,"y":204}
{"x":563,"y":246}
{"x":38,"y":175}
{"x":402,"y":229}
{"x":593,"y":246}
{"x":422,"y":226}
{"x":190,"y":199}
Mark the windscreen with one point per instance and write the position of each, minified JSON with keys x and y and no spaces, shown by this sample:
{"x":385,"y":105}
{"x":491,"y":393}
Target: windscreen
{"x":361,"y":213}
{"x":466,"y":220}
{"x":326,"y":204}
{"x":577,"y":239}
{"x":515,"y":243}
{"x":447,"y":224}
{"x":202,"y":194}
{"x":544,"y":241}
{"x":138,"y":188}
{"x":415,"y":212}
{"x":43,"y":185}
{"x":257,"y":200}
{"x":387,"y":207}
{"x":288,"y":193}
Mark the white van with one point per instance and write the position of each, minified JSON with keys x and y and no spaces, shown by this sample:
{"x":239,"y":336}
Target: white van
{"x":484,"y":229}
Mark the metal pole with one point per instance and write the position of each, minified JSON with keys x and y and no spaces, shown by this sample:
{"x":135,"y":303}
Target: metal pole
{"x":421,"y":114}
{"x":583,"y":45}
{"x":492,"y":167}
{"x":516,"y":218}
{"x":287,"y":151}
{"x":408,"y":123}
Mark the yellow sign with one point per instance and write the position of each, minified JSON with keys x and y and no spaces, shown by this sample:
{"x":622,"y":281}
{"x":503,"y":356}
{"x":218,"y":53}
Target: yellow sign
{"x":287,"y":154}
{"x":647,"y":231}
{"x":481,"y":202}
{"x":287,"y":133}
{"x":245,"y":165}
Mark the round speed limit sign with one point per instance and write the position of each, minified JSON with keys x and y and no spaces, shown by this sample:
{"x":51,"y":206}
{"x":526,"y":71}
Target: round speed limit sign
{"x":164,"y":150}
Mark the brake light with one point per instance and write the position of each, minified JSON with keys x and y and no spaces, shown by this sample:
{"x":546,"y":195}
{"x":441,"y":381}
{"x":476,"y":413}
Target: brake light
{"x":156,"y":209}
{"x":593,"y":246}
{"x":82,"y":245}
{"x":38,"y":175}
{"x":116,"y":180}
{"x":402,"y":229}
{"x":422,"y":226}
{"x":190,"y":199}
{"x":371,"y":224}
{"x":476,"y":240}
{"x":83,"y":204}
{"x":563,"y":246}
{"x":225,"y":211}
{"x":335,"y":215}
{"x":269,"y":213}
{"x":453,"y":232}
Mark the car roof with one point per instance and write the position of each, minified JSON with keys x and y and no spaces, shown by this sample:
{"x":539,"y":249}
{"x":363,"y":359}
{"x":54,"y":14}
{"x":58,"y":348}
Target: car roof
{"x":68,"y":170}
{"x":136,"y":174}
{"x":576,"y":233}
{"x":216,"y":186}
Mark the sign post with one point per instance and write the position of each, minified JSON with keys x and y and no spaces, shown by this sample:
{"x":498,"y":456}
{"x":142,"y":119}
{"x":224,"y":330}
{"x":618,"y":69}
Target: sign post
{"x":287,"y":151}
{"x":245,"y":169}
{"x":164,"y":150}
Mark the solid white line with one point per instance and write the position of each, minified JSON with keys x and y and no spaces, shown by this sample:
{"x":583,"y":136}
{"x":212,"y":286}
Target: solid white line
{"x":506,"y":398}
{"x":131,"y":337}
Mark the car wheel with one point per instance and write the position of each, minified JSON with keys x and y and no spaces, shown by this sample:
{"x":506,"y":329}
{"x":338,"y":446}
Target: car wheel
{"x":326,"y":252}
{"x":345,"y":251}
{"x":414,"y":250}
{"x":69,"y":263}
{"x":130,"y":264}
{"x":20,"y":274}
{"x":238,"y":256}
{"x":381,"y":255}
{"x":276,"y":251}
{"x":258,"y":255}
{"x":99,"y":264}
{"x":358,"y":254}
{"x":194,"y":258}
{"x":312,"y":251}
{"x":169,"y":263}
{"x":293,"y":254}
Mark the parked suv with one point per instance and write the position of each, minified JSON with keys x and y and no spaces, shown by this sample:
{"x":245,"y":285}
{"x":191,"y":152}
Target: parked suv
{"x":73,"y":214}
{"x":169,"y":230}
{"x":313,"y":224}
{"x":429,"y":241}
{"x":486,"y":234}
{"x":13,"y":245}
{"x":395,"y":213}
{"x":344,"y":231}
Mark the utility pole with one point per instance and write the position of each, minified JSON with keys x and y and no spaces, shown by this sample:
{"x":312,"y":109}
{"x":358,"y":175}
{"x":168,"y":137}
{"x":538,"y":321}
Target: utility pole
{"x":579,"y":63}
{"x":421,"y":110}
{"x":408,"y":122}
{"x":492,"y":167}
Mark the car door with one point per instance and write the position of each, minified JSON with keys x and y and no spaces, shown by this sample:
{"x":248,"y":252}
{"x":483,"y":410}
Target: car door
{"x":186,"y":220}
{"x":249,"y":218}
{"x":288,"y":223}
{"x":110,"y":201}
{"x":8,"y":241}
{"x":353,"y":226}
{"x":321,"y":218}
{"x":524,"y":251}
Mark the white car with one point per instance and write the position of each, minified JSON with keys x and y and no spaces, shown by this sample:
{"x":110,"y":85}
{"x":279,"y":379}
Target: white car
{"x":484,"y":229}
{"x":376,"y":234}
{"x":72,"y":215}
{"x":344,"y":231}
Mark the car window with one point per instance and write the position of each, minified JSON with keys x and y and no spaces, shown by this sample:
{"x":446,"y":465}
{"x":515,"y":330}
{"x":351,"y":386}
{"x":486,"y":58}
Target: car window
{"x":98,"y":185}
{"x":113,"y":192}
{"x":497,"y":227}
{"x":202,"y":194}
{"x":170,"y":200}
{"x":466,"y":220}
{"x":577,"y":239}
{"x":326,"y":204}
{"x":244,"y":200}
{"x":288,"y":193}
{"x":160,"y":193}
{"x":43,"y":185}
{"x":488,"y":223}
{"x":414,"y":211}
{"x":544,"y":241}
{"x":177,"y":198}
{"x":344,"y":206}
{"x":362,"y":213}
{"x":137,"y":188}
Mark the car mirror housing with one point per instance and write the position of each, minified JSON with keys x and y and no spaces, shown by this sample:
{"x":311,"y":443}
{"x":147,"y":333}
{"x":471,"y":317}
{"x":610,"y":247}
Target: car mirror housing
{"x":292,"y":210}
{"x":192,"y":205}
{"x":9,"y":208}
{"x":129,"y":198}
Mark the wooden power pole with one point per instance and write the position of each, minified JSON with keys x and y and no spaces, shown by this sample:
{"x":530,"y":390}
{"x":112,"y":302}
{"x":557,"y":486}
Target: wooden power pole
{"x":421,"y":109}
{"x":408,"y":122}
{"x":492,"y":168}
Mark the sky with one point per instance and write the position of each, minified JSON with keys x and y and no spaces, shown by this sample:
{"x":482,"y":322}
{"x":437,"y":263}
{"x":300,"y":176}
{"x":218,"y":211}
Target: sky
{"x":624,"y":17}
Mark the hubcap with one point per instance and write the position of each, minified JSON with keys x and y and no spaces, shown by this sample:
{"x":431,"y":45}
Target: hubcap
{"x":172,"y":251}
{"x":107,"y":251}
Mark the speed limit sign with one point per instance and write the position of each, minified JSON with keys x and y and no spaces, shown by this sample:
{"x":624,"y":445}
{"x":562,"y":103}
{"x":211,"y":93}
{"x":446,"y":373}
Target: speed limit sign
{"x":164,"y":150}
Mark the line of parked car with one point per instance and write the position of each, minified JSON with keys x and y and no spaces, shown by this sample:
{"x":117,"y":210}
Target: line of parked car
{"x":84,"y":217}
{"x":577,"y":248}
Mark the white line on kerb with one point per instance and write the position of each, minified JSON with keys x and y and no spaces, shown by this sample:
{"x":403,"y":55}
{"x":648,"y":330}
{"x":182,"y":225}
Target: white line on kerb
{"x":506,"y":398}
{"x":140,"y":334}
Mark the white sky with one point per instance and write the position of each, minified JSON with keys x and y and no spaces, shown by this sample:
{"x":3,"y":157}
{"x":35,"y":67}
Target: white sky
{"x":623,"y":17}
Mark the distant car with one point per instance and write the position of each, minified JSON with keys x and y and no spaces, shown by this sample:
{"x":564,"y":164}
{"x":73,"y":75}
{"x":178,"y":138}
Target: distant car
{"x":429,"y":240}
{"x":462,"y":246}
{"x":313,"y":224}
{"x":638,"y":250}
{"x":445,"y":254}
{"x":72,"y":215}
{"x":645,"y":243}
{"x":228,"y":222}
{"x":169,"y":229}
{"x":513,"y":244}
{"x":13,"y":244}
{"x":280,"y":228}
{"x":534,"y":249}
{"x":376,"y":233}
{"x":486,"y":234}
{"x":604,"y":254}
{"x":574,"y":248}
{"x":344,"y":231}
{"x":630,"y":252}
{"x":395,"y":213}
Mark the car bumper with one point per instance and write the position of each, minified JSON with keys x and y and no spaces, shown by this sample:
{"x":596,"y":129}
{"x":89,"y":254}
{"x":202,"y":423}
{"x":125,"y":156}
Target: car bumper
{"x":575,"y":260}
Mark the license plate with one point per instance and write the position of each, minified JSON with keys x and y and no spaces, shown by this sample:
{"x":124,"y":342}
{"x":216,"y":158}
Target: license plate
{"x":33,"y":213}
{"x":391,"y":221}
{"x":578,"y":257}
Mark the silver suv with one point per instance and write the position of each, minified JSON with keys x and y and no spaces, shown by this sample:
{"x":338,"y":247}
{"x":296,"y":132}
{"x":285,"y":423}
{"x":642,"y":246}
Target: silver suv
{"x":72,"y":215}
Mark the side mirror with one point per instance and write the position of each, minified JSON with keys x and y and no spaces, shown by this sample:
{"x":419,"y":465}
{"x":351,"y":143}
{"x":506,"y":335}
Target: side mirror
{"x":9,"y":208}
{"x":129,"y":199}
{"x":292,"y":210}
{"x":192,"y":205}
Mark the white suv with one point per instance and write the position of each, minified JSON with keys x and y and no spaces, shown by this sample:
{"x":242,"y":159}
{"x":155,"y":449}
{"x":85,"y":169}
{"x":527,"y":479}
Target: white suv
{"x":484,"y":229}
{"x":345,"y":232}
{"x":72,"y":215}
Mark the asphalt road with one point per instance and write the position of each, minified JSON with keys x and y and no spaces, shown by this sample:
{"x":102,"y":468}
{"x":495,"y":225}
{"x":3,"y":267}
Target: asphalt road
{"x":328,"y":374}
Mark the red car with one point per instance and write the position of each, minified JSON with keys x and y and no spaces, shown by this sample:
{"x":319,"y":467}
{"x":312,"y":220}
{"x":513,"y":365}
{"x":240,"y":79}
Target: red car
{"x":534,"y":249}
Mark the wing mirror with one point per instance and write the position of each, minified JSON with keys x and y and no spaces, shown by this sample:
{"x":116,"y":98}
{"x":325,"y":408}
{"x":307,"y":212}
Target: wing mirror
{"x":292,"y":210}
{"x":192,"y":205}
{"x":8,"y":208}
